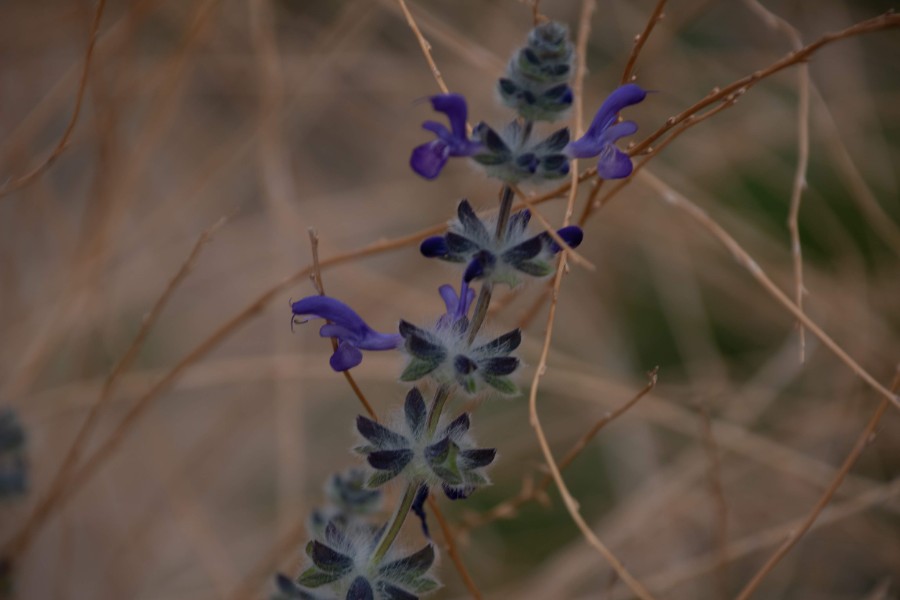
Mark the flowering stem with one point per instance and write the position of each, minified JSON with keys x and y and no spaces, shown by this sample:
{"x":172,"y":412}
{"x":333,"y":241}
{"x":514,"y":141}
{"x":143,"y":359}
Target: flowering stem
{"x":437,"y":407}
{"x":391,"y":534}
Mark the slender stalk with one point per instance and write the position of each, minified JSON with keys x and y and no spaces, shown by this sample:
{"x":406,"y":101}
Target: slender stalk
{"x":437,"y":407}
{"x":506,"y":198}
{"x":444,"y":392}
{"x":391,"y":534}
{"x":481,"y":309}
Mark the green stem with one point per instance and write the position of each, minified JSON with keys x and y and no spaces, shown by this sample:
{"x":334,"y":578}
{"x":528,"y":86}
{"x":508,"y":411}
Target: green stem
{"x":443,"y":393}
{"x":481,"y":308}
{"x":391,"y":534}
{"x":437,"y":407}
{"x":506,"y":198}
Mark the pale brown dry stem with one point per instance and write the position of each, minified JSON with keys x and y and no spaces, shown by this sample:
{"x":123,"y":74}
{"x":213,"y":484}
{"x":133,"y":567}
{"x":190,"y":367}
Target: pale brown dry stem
{"x":653,"y":152}
{"x":24,"y":180}
{"x":426,"y":47}
{"x":730,"y":92}
{"x":570,"y":503}
{"x":38,"y":352}
{"x":22,"y":539}
{"x":746,"y":261}
{"x":591,"y":199}
{"x":799,"y":184}
{"x":452,"y":550}
{"x":531,"y":492}
{"x":865,"y":438}
{"x":879,"y":220}
{"x":884,"y":21}
{"x":640,"y":39}
{"x":771,"y":536}
{"x":714,"y":478}
{"x":581,"y":42}
{"x":536,"y":17}
{"x":57,"y":486}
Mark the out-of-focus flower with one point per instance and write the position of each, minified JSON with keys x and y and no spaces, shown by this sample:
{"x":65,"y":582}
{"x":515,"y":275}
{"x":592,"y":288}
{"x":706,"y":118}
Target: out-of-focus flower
{"x":13,"y":466}
{"x":349,"y":501}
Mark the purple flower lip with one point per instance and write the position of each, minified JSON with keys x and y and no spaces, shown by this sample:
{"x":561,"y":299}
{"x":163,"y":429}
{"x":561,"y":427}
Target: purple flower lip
{"x":429,"y":158}
{"x":352,"y":333}
{"x":601,"y":136}
{"x":457,"y":305}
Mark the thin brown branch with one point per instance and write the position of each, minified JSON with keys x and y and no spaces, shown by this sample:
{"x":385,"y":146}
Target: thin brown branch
{"x":536,"y":17}
{"x":640,"y":39}
{"x":758,"y":540}
{"x":570,"y":503}
{"x":732,"y":91}
{"x":864,"y":439}
{"x":584,"y":32}
{"x":746,"y":261}
{"x":884,"y":21}
{"x":57,"y":486}
{"x":655,"y":150}
{"x":714,"y":477}
{"x":582,"y":443}
{"x":531,"y":492}
{"x":452,"y":550}
{"x":799,"y":184}
{"x":426,"y":47}
{"x":23,"y":537}
{"x":26,"y":179}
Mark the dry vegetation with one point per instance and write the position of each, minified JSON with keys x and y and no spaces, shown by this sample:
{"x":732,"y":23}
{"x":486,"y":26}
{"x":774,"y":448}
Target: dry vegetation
{"x":206,"y":447}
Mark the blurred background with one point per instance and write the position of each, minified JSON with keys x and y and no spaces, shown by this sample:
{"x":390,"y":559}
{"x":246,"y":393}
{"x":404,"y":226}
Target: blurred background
{"x":285,"y":115}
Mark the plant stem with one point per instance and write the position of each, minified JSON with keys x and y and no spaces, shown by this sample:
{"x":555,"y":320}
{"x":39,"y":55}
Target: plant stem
{"x":443,"y":393}
{"x":391,"y":534}
{"x":506,"y":198}
{"x":481,"y":308}
{"x":437,"y":407}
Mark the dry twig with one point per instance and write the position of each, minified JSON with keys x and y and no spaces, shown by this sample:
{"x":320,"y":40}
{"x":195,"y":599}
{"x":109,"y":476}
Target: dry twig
{"x":24,"y":180}
{"x":776,"y":22}
{"x":746,"y":261}
{"x":865,"y":438}
{"x":57,"y":487}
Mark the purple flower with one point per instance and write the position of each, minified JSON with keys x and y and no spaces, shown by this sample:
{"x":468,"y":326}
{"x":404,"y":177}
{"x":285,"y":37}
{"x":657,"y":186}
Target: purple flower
{"x":428,"y":159}
{"x":457,"y":306}
{"x":599,"y":139}
{"x":348,"y":327}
